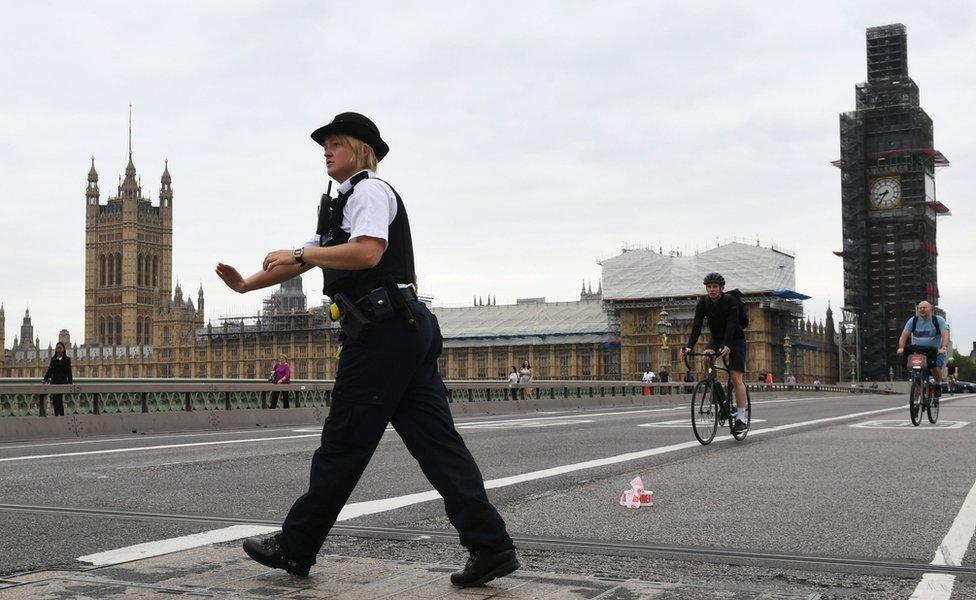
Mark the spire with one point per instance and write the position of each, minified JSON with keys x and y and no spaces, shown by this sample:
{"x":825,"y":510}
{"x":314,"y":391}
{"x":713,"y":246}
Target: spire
{"x":129,"y":188}
{"x":165,"y":186}
{"x":130,"y":134}
{"x":92,"y":173}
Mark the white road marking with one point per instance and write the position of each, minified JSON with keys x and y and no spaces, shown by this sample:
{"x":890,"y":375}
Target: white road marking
{"x":121,"y":555}
{"x":369,"y":507}
{"x":938,"y":586}
{"x":906,"y":424}
{"x":684,"y":423}
{"x":162,"y":447}
{"x":530,"y":424}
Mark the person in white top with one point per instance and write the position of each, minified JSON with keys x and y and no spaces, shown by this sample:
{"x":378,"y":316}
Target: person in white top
{"x":513,"y":382}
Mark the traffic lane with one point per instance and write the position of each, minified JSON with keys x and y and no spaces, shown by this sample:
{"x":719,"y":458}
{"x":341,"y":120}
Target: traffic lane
{"x":47,"y":447}
{"x":34,"y":542}
{"x":683,"y":446}
{"x":842,"y":490}
{"x":270,"y":474}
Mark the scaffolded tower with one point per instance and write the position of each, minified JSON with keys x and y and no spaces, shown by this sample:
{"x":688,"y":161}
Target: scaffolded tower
{"x":889,"y":207}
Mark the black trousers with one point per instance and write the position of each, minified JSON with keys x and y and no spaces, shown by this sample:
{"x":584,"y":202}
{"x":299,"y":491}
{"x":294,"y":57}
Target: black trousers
{"x":274,"y":399}
{"x":388,"y":375}
{"x":57,"y":401}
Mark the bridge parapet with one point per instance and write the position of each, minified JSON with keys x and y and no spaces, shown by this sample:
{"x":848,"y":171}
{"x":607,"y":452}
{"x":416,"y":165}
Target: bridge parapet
{"x":20,"y":398}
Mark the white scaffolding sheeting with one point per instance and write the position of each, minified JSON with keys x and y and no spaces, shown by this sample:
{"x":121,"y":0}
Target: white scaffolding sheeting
{"x":583,"y":318}
{"x":641,"y":274}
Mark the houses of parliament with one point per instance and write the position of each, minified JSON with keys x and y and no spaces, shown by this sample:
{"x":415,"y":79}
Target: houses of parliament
{"x":138,"y":326}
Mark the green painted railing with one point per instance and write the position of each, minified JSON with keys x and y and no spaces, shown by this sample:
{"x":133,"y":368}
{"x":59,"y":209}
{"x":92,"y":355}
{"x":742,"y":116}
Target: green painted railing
{"x":21,"y":398}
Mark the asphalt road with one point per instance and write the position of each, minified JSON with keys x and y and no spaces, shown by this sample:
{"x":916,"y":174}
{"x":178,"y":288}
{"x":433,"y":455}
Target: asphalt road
{"x":829,"y":476}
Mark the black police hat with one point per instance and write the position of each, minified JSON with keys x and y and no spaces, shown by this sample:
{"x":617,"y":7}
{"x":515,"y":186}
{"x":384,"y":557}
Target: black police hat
{"x":356,"y":125}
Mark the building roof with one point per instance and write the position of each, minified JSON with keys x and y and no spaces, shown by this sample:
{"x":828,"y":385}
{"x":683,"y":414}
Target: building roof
{"x":640,"y":274}
{"x":540,"y":322}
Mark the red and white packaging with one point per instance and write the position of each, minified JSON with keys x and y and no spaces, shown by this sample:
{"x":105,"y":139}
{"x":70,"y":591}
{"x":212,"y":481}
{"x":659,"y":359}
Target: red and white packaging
{"x":637,"y":496}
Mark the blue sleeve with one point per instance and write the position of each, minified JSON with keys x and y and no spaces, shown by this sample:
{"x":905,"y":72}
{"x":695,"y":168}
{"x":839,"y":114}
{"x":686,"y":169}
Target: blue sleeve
{"x":908,"y":326}
{"x":942,"y":323}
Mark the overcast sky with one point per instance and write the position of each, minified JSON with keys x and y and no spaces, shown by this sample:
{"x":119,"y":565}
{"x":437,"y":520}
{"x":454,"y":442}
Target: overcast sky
{"x":528,"y":139}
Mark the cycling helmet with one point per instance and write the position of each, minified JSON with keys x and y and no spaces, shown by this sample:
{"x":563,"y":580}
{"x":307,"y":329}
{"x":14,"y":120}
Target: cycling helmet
{"x":714,"y":278}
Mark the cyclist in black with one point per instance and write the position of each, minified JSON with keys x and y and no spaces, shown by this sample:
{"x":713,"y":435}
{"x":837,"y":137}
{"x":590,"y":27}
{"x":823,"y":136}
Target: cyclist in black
{"x":722,"y":311}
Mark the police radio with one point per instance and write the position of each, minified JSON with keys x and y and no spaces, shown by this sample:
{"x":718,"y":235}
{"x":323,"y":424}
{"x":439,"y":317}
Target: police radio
{"x":325,"y":215}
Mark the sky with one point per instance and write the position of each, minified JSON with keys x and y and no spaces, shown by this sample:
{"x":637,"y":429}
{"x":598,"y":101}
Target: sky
{"x":528,"y":139}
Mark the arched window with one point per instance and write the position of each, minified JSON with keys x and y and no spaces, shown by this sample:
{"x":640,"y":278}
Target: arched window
{"x":101,"y":270}
{"x":111,"y":271}
{"x":155,"y":272}
{"x":118,"y":330}
{"x":102,"y":335}
{"x":148,"y":328}
{"x":147,"y":272}
{"x":139,"y":321}
{"x":139,"y":270}
{"x":118,"y":268}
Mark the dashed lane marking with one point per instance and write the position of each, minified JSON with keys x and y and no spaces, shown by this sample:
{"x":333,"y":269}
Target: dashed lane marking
{"x":938,"y":586}
{"x":906,"y":424}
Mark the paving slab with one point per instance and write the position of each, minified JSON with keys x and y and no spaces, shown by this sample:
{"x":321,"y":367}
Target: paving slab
{"x":223,"y":572}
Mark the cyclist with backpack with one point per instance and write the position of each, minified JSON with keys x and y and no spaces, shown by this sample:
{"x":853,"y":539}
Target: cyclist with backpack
{"x":726,"y":320}
{"x":927,"y":331}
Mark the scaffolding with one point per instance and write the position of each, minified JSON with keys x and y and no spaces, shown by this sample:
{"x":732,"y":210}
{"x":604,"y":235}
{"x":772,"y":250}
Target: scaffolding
{"x":889,"y":254}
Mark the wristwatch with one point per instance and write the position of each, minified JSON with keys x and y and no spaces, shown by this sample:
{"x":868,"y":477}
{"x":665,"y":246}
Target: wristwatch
{"x":299,"y":253}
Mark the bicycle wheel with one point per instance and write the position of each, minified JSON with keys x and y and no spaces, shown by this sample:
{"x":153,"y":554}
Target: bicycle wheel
{"x":915,"y":403}
{"x":933,"y":406}
{"x":704,"y":413}
{"x":742,"y":434}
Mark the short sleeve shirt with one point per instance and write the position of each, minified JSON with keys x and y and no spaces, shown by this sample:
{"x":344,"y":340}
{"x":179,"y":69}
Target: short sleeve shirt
{"x":368,"y":212}
{"x":925,"y":334}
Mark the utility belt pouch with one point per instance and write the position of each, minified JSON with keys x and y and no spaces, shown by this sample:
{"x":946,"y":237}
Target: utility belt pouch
{"x":351,"y":319}
{"x":399,"y":302}
{"x":381,"y":304}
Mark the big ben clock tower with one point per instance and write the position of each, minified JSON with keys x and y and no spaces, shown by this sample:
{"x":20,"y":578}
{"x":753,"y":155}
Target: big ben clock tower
{"x":888,"y":203}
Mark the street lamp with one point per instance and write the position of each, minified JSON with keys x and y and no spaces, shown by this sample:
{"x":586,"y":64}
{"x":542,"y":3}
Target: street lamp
{"x":663,"y":329}
{"x":788,"y":359}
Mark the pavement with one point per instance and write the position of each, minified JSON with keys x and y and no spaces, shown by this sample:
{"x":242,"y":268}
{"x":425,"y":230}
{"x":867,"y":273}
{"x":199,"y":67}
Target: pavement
{"x":223,"y":572}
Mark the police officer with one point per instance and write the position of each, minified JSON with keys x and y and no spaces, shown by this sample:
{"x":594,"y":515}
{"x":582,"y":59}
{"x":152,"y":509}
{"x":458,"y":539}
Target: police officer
{"x":387,"y":371}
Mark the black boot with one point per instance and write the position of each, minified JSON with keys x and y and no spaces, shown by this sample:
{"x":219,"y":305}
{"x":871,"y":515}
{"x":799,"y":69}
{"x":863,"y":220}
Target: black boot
{"x":269,"y":553}
{"x":482,"y":567}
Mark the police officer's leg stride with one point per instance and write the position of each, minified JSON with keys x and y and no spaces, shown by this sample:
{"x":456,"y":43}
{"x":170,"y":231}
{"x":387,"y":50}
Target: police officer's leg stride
{"x":387,"y":371}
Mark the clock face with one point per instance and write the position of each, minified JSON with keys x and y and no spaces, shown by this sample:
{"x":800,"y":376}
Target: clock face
{"x":884,"y":192}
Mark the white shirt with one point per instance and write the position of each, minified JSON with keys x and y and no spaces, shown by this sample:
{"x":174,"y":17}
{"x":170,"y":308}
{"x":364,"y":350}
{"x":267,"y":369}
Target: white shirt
{"x":369,"y":210}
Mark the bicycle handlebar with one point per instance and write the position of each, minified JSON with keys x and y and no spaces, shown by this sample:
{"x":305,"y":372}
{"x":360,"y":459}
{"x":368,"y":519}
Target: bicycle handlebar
{"x":709,"y":353}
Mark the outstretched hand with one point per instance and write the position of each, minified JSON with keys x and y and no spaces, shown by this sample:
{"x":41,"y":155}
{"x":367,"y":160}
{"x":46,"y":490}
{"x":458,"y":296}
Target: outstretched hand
{"x":231,"y":277}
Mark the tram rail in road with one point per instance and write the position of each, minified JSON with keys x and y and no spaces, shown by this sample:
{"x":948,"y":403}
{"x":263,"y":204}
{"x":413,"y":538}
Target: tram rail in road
{"x":836,"y":564}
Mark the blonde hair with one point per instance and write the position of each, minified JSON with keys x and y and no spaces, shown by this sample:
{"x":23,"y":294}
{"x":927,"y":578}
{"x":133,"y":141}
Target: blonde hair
{"x":363,"y":152}
{"x":283,"y":357}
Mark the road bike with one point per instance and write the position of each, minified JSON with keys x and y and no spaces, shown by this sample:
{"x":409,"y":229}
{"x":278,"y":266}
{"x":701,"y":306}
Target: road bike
{"x":711,"y":401}
{"x":922,"y":394}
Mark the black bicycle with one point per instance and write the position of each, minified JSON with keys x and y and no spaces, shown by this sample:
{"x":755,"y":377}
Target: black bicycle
{"x":922,"y":394}
{"x":711,"y":402}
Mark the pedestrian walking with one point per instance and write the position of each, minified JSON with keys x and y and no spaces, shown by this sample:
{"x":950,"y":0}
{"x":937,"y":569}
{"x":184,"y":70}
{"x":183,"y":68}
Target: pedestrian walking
{"x":281,"y":375}
{"x":59,"y":373}
{"x":387,"y":370}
